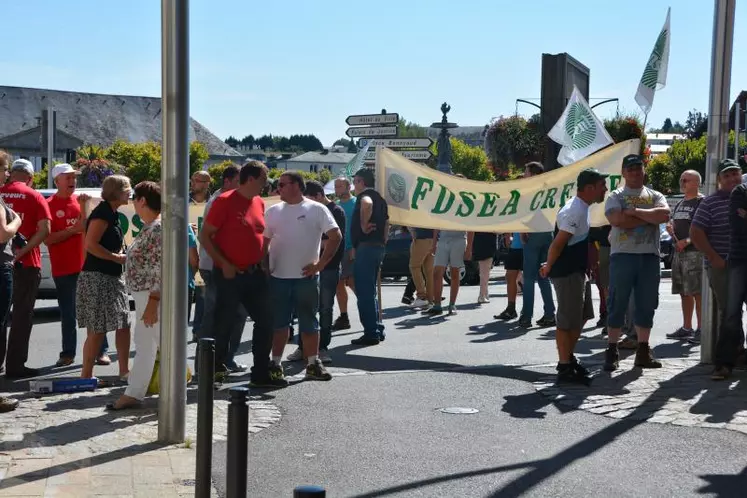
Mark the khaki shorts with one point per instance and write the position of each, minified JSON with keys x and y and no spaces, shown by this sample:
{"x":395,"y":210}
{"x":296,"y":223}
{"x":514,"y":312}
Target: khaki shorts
{"x":346,"y":268}
{"x":574,"y":301}
{"x":687,"y":273}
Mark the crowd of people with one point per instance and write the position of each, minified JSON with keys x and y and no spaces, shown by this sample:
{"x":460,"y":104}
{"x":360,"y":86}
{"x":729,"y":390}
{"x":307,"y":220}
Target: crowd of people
{"x":291,"y":261}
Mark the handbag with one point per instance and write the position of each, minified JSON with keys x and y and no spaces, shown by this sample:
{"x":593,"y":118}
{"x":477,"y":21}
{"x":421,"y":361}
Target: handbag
{"x":153,"y":385}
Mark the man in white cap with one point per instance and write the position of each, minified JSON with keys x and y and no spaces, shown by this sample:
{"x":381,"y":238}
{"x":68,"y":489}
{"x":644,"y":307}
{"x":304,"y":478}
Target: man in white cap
{"x":66,"y":256}
{"x":34,"y":211}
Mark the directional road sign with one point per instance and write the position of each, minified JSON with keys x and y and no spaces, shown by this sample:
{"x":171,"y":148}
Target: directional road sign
{"x":397,"y":143}
{"x":374,"y":131}
{"x":412,"y":155}
{"x":372,"y":119}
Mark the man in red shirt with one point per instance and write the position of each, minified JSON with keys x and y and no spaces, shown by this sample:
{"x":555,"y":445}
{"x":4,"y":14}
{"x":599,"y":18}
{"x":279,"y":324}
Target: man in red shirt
{"x":66,"y":255}
{"x":233,"y":235}
{"x":34,"y":212}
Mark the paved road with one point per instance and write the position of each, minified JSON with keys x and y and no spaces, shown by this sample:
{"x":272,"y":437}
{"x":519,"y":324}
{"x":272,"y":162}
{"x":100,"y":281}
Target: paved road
{"x":375,"y":430}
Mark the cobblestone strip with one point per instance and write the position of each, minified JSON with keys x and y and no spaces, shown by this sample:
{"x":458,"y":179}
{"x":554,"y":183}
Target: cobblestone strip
{"x":680,"y":393}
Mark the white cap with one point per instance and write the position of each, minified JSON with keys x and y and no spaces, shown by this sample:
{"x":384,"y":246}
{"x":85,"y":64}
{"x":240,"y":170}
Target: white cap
{"x":23,"y":165}
{"x":63,"y":169}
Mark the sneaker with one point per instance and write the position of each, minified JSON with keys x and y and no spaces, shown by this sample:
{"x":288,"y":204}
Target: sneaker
{"x":568,"y":375}
{"x":407,"y":300}
{"x":507,"y":314}
{"x":316,"y":371}
{"x":433,"y":311}
{"x":680,"y":333}
{"x":695,"y":339}
{"x":578,"y":367}
{"x":602,"y":322}
{"x":644,"y":358}
{"x":277,"y":377}
{"x":7,"y":404}
{"x":482,"y":300}
{"x":104,"y":360}
{"x":342,"y":323}
{"x":628,"y":343}
{"x":365,"y":340}
{"x":220,"y":376}
{"x":267,"y":381}
{"x":451,"y":310}
{"x":296,"y":355}
{"x":234,"y":367}
{"x":64,"y":361}
{"x":546,"y":321}
{"x":324,"y":357}
{"x":721,"y":373}
{"x":419,"y":303}
{"x":525,"y":323}
{"x":23,"y":373}
{"x":611,"y":359}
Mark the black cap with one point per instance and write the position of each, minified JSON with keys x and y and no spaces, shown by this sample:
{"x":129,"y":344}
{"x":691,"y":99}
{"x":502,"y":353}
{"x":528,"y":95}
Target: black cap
{"x":728,"y":164}
{"x":632,"y":160}
{"x":589,"y":176}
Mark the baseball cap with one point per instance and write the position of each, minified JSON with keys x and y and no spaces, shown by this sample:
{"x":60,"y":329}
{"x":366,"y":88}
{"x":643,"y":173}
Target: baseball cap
{"x":23,"y":165}
{"x":63,"y":169}
{"x":589,"y":176}
{"x":632,"y":160}
{"x":728,"y":164}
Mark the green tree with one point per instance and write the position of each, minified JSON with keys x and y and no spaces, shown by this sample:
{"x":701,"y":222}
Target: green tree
{"x":513,"y":140}
{"x":472,"y":162}
{"x":264,"y":142}
{"x":198,"y":156}
{"x":216,"y":174}
{"x":696,"y":124}
{"x":667,"y":126}
{"x":342,"y":141}
{"x":232,"y":141}
{"x":408,"y":129}
{"x":248,"y":141}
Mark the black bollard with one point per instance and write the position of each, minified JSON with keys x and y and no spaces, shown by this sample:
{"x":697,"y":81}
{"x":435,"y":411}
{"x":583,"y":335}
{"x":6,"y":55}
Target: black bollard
{"x":236,"y":449}
{"x":309,"y":492}
{"x":206,"y":360}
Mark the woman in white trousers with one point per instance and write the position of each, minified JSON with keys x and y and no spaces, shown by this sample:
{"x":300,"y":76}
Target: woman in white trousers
{"x":143,"y":274}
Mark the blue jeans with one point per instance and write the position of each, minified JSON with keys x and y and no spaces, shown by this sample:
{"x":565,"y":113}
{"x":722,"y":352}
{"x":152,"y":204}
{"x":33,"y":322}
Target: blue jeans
{"x":6,"y":298}
{"x":639,"y":275}
{"x":295,"y":296}
{"x":199,"y":309}
{"x":66,"y":286}
{"x":731,"y":334}
{"x":368,"y":259}
{"x":327,"y":291}
{"x":208,"y":317}
{"x":535,"y":253}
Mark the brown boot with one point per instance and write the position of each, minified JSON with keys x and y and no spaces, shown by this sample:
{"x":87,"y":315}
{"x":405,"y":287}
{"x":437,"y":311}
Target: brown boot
{"x":644,"y":358}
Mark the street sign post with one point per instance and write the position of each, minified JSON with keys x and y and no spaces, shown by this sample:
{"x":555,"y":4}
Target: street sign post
{"x":373,"y":131}
{"x":412,"y":155}
{"x":372,"y":119}
{"x":397,"y":143}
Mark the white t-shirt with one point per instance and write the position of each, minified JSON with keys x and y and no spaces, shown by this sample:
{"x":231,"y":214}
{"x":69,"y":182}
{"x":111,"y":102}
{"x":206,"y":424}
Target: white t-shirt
{"x":574,"y":219}
{"x":295,"y":233}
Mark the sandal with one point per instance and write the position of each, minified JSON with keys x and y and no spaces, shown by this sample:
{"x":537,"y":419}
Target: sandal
{"x":112,"y":407}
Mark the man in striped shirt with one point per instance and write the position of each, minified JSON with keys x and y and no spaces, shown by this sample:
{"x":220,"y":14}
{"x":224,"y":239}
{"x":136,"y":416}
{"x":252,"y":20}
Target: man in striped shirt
{"x":709,"y":232}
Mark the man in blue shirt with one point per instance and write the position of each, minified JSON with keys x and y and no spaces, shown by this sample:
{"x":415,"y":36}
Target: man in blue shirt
{"x":347,"y":202}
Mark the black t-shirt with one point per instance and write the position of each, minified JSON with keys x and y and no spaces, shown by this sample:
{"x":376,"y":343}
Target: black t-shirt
{"x":601,"y":235}
{"x":573,"y":259}
{"x":682,"y":217}
{"x":738,"y":226}
{"x":339,"y":215}
{"x":379,"y":217}
{"x":111,"y":240}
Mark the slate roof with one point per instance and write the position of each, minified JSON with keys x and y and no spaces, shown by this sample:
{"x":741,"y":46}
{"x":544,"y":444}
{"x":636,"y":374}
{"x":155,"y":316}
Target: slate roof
{"x":95,"y":118}
{"x":318,"y":157}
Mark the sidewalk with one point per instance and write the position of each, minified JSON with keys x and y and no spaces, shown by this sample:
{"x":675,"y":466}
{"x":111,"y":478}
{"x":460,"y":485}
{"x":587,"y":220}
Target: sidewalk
{"x":68,"y":445}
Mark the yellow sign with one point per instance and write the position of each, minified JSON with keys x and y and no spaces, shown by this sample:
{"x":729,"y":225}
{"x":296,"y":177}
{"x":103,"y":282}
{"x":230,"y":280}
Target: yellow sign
{"x":419,"y":196}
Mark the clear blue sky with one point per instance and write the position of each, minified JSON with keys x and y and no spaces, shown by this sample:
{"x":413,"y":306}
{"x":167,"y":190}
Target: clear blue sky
{"x":299,"y":66}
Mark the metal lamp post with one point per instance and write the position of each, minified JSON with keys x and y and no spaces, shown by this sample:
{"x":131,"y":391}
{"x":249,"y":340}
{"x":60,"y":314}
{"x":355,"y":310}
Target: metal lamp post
{"x":174,"y":187}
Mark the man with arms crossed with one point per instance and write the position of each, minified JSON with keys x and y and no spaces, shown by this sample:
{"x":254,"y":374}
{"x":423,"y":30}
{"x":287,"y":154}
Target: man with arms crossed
{"x":635,"y":213}
{"x":567,"y":261}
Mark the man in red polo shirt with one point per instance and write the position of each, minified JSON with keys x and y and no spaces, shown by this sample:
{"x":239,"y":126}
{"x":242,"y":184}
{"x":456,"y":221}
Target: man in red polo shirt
{"x":34,"y":211}
{"x":66,"y":255}
{"x":232,"y":235}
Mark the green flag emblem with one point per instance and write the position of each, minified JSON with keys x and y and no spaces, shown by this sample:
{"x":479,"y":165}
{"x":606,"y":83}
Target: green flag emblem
{"x":580,"y":126}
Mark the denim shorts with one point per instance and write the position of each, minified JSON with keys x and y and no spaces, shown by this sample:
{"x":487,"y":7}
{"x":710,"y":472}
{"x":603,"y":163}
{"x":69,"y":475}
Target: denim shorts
{"x":299,"y":295}
{"x":637,"y":273}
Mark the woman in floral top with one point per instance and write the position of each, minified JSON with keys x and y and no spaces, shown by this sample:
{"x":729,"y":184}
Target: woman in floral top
{"x":143,"y":275}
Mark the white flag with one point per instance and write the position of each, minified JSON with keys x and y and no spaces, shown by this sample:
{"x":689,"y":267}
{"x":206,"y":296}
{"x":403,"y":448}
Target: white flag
{"x":655,"y":73}
{"x":350,"y":169}
{"x":578,"y":130}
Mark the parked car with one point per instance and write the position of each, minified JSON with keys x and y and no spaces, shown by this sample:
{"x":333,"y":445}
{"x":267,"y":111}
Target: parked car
{"x":666,"y":246}
{"x":397,"y":259}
